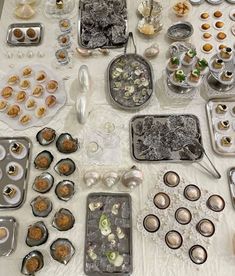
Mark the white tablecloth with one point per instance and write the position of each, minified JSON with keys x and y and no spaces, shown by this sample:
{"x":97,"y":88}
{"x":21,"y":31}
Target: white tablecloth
{"x":148,"y":258}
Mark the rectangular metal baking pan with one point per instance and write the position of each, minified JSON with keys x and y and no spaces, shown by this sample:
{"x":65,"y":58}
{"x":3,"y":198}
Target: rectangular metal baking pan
{"x":7,"y":247}
{"x":230,"y":102}
{"x":38,"y":27}
{"x":25,"y":163}
{"x":123,"y":197}
{"x":175,"y":155}
{"x":80,"y":10}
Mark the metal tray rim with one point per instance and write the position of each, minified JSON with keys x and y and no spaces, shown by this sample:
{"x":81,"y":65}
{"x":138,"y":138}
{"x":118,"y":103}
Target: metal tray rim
{"x":109,"y":87}
{"x":28,"y":24}
{"x":24,"y":195}
{"x":103,"y":47}
{"x":131,"y":233}
{"x":164,"y":161}
{"x":208,"y":111}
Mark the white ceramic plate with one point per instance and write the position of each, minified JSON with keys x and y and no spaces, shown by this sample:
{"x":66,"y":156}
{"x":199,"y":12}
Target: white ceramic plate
{"x":51,"y":112}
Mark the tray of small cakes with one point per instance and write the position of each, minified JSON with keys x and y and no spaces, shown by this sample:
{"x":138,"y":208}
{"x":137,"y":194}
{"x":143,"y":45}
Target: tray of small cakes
{"x":30,"y":95}
{"x":221,"y":120}
{"x":186,"y":70}
{"x":222,"y":67}
{"x":14,"y":167}
{"x":25,"y":34}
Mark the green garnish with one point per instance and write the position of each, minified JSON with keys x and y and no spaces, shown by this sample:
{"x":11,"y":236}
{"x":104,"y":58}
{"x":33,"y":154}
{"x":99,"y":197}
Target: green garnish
{"x":175,"y":60}
{"x":191,"y":53}
{"x":202,"y":63}
{"x":114,"y":258}
{"x":179,"y":75}
{"x":104,"y":225}
{"x":196,"y":72}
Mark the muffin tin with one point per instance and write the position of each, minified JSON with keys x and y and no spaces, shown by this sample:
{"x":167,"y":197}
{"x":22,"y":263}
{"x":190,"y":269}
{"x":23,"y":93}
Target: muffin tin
{"x":8,"y":243}
{"x":218,"y":131}
{"x":13,"y":184}
{"x":37,"y":27}
{"x":185,"y":223}
{"x":108,"y":241}
{"x":164,"y":137}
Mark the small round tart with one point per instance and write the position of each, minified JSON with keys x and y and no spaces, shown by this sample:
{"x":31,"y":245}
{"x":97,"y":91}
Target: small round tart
{"x":221,"y":46}
{"x":202,"y":65}
{"x":207,"y":36}
{"x":218,"y":25}
{"x":218,"y":14}
{"x":205,"y":27}
{"x":216,"y":65}
{"x":204,"y":16}
{"x":207,"y":48}
{"x":178,"y":78}
{"x":194,"y":78}
{"x":226,"y":54}
{"x":189,"y":57}
{"x":173,"y":64}
{"x":221,"y":36}
{"x":226,"y":77}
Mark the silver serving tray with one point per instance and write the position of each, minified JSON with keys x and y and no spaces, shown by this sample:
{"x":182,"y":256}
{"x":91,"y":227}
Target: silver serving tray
{"x":111,"y":92}
{"x":80,"y":11}
{"x":92,"y":227}
{"x":180,"y":31}
{"x":174,"y":155}
{"x":228,"y":66}
{"x":7,"y":247}
{"x":231,"y":183}
{"x":25,"y":163}
{"x":231,"y":1}
{"x":211,"y":104}
{"x":38,"y":27}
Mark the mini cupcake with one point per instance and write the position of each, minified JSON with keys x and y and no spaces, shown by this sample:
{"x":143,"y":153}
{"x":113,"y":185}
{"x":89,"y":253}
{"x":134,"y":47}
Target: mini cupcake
{"x":19,"y":35}
{"x":31,"y":34}
{"x":227,"y":76}
{"x":173,"y":64}
{"x":189,"y":57}
{"x":226,"y":53}
{"x":195,"y":76}
{"x":179,"y":76}
{"x":218,"y":64}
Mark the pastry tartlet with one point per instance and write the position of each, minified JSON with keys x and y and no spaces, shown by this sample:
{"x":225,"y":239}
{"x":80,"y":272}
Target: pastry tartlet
{"x":13,"y":111}
{"x":27,"y":72}
{"x":21,"y":96}
{"x":226,"y":141}
{"x":50,"y":100}
{"x":195,"y":75}
{"x":25,"y":119}
{"x":224,"y":125}
{"x":221,"y":36}
{"x":218,"y":63}
{"x":12,"y":80}
{"x":179,"y":76}
{"x":31,"y":34}
{"x":207,"y":47}
{"x":7,"y":92}
{"x":3,"y":105}
{"x":227,"y":76}
{"x":205,"y":26}
{"x":19,"y":35}
{"x":201,"y":64}
{"x":189,"y":56}
{"x":38,"y":91}
{"x":25,"y":84}
{"x":218,"y":14}
{"x":204,"y":15}
{"x":219,"y":25}
{"x":207,"y":36}
{"x":174,"y":63}
{"x":226,"y":53}
{"x":221,"y":108}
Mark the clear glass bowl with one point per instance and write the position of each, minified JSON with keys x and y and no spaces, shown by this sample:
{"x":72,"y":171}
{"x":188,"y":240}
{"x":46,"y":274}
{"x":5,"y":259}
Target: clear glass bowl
{"x":58,"y":8}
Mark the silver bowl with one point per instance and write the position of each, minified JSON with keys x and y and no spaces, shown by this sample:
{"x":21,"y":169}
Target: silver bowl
{"x":180,"y":31}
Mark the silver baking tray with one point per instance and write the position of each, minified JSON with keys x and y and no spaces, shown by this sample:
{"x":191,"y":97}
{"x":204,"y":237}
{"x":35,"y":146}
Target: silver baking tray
{"x":213,"y":120}
{"x":21,"y":184}
{"x":38,"y":27}
{"x":231,"y":182}
{"x":9,"y":243}
{"x":81,"y":10}
{"x":94,"y":238}
{"x":163,"y":138}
